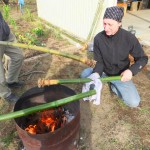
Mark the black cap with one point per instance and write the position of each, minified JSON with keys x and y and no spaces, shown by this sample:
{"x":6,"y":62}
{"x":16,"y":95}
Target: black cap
{"x":115,"y":13}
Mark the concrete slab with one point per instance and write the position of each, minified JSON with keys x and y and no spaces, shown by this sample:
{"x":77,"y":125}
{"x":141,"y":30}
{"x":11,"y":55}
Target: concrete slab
{"x":140,"y":20}
{"x":142,"y":14}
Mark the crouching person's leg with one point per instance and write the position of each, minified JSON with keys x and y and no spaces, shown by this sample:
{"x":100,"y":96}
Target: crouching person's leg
{"x":86,"y":72}
{"x":16,"y":61}
{"x":127,"y":92}
{"x":5,"y":92}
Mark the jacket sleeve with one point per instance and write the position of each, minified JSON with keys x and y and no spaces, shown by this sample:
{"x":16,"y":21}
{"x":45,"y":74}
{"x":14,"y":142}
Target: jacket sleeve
{"x":98,"y":58}
{"x":0,"y":32}
{"x":1,"y":28}
{"x":139,"y":56}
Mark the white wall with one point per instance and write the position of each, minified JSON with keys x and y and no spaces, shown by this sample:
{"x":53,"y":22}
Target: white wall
{"x":74,"y":16}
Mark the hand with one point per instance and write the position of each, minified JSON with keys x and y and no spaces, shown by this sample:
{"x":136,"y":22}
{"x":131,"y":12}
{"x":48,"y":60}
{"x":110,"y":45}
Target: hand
{"x":126,"y":75}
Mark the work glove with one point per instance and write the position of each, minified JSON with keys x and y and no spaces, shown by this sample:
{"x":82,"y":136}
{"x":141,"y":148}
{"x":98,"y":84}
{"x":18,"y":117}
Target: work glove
{"x":95,"y":84}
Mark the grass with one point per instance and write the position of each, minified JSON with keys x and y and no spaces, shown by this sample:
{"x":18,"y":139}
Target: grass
{"x":145,"y":110}
{"x":9,"y":138}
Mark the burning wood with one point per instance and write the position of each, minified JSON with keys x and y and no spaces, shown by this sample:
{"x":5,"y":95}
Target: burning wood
{"x":48,"y":120}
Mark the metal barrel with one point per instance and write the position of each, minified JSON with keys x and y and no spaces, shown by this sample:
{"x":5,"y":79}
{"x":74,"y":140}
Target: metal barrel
{"x":64,"y":138}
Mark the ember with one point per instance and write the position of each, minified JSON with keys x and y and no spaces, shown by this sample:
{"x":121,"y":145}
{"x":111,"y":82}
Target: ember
{"x":48,"y":120}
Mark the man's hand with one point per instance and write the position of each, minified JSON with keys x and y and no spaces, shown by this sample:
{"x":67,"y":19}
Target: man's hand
{"x":126,"y":75}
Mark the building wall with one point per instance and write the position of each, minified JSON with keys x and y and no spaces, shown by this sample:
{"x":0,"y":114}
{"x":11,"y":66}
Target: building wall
{"x":74,"y":16}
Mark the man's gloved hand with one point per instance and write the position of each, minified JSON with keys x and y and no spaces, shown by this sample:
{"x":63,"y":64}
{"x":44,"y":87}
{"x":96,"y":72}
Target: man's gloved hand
{"x":95,"y":84}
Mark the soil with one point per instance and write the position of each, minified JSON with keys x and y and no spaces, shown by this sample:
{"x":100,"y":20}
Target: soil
{"x":108,"y":126}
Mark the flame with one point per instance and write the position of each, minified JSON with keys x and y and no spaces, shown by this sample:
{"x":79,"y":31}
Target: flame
{"x":47,"y":122}
{"x":47,"y":119}
{"x":31,"y":129}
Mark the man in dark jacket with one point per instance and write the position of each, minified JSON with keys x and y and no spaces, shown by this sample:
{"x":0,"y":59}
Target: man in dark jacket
{"x":15,"y":63}
{"x":111,"y":52}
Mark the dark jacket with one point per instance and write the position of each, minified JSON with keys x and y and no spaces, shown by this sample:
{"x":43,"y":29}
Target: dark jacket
{"x":111,"y":53}
{"x":4,"y":29}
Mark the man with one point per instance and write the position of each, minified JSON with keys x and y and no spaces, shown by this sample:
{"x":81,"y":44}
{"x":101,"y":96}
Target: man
{"x":111,"y":50}
{"x":16,"y":58}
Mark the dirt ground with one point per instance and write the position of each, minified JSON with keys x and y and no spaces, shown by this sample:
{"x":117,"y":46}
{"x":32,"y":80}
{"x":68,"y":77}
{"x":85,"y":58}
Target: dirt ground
{"x":108,"y":126}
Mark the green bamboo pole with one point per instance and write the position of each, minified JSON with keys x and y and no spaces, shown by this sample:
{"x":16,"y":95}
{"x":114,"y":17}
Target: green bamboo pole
{"x":57,"y":103}
{"x":47,"y":82}
{"x":95,"y":20}
{"x":47,"y":50}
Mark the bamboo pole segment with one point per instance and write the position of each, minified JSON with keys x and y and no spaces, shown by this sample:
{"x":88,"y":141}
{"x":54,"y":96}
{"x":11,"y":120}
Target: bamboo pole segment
{"x":48,"y":82}
{"x":57,"y":103}
{"x":99,"y":10}
{"x":86,"y":61}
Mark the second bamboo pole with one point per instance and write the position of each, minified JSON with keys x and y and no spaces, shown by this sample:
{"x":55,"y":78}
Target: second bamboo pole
{"x":48,"y":82}
{"x":54,"y":104}
{"x":86,"y":61}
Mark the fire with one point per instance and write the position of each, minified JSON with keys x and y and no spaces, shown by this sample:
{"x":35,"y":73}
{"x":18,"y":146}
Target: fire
{"x":31,"y":129}
{"x":47,"y":121}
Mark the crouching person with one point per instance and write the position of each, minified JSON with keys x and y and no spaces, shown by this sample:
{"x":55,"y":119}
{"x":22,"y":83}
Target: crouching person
{"x":112,"y":47}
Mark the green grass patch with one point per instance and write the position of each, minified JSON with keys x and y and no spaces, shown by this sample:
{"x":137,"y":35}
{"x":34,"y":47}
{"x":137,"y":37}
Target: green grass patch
{"x":8,"y":138}
{"x":145,"y":110}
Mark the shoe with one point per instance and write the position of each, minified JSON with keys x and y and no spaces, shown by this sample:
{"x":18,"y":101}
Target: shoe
{"x":15,"y":84}
{"x":12,"y":98}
